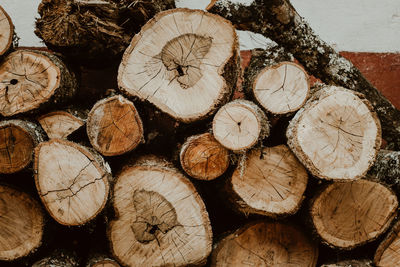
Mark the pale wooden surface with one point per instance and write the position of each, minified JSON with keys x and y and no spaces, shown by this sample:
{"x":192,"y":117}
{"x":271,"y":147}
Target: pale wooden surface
{"x":6,"y":31}
{"x":21,"y":224}
{"x":71,"y":182}
{"x":388,"y":252}
{"x":239,"y":124}
{"x":282,"y":88}
{"x":159,"y":213}
{"x":336,"y":135}
{"x":272,"y":183}
{"x":265,"y":244}
{"x":177,"y":62}
{"x":27,"y":79}
{"x":60,"y":124}
{"x":349,"y":214}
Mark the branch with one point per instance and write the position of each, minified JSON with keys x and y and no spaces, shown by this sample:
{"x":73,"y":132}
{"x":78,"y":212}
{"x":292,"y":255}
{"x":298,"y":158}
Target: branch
{"x":279,"y":21}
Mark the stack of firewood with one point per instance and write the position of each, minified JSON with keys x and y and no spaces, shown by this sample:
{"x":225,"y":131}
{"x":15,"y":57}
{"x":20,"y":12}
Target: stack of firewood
{"x":162,"y":150}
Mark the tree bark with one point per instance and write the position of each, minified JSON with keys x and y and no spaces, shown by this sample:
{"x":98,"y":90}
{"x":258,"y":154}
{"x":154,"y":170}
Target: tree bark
{"x":386,"y":169}
{"x":101,"y":261}
{"x":21,"y":224}
{"x":350,"y":263}
{"x":196,"y":70}
{"x":6,"y":32}
{"x":265,"y":244}
{"x":31,"y":80}
{"x":60,"y":124}
{"x":279,"y":21}
{"x":114,"y":126}
{"x":72,"y":181}
{"x":347,"y":215}
{"x":275,"y":82}
{"x":272,"y":183}
{"x":59,"y":258}
{"x":336,"y":135}
{"x":94,"y":31}
{"x":164,"y":217}
{"x":239,"y":125}
{"x":202,"y":157}
{"x":387,"y":254}
{"x":18,"y":139}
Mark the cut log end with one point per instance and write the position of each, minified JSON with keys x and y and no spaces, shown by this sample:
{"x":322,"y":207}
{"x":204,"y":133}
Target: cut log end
{"x":239,"y":124}
{"x":282,"y":88}
{"x":388,"y":252}
{"x":272,"y":183}
{"x":60,"y":124}
{"x":164,"y":217}
{"x":187,"y":79}
{"x":351,"y":263}
{"x":101,"y":261}
{"x":265,"y":244}
{"x":21,"y":224}
{"x":6,"y":31}
{"x":71,"y":181}
{"x":336,"y":135}
{"x":347,"y":215}
{"x":202,"y":157}
{"x":114,"y":126}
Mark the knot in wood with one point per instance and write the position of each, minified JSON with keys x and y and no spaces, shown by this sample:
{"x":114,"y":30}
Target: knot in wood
{"x":183,"y":55}
{"x":154,"y":215}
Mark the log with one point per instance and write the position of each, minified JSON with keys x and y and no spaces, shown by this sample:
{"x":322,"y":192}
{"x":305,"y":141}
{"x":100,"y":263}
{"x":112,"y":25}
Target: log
{"x":163,"y":217}
{"x":21,"y":224}
{"x":336,"y":135}
{"x":271,"y":183}
{"x":347,"y":215}
{"x":275,"y":83}
{"x":203,"y":158}
{"x":59,"y":258}
{"x":71,"y":180}
{"x":265,"y":244}
{"x":93,"y":31}
{"x":279,"y":21}
{"x":6,"y":32}
{"x":239,"y":125}
{"x":60,"y":124}
{"x":386,"y":169}
{"x":18,"y":138}
{"x":183,"y":61}
{"x":31,"y":80}
{"x":350,"y":263}
{"x":388,"y":252}
{"x":101,"y":261}
{"x":114,"y":126}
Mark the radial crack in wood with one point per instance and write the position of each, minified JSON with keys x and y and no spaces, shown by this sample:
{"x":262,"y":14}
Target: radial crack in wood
{"x":30,"y":79}
{"x":239,"y":124}
{"x":351,"y":214}
{"x":60,"y":124}
{"x":159,"y":213}
{"x":272,"y":183}
{"x":6,"y":31}
{"x":21,"y":224}
{"x":18,"y":139}
{"x":202,"y":157}
{"x":184,"y":62}
{"x":388,"y":252}
{"x":114,"y":126}
{"x":265,"y":244}
{"x":336,"y":135}
{"x":281,"y":88}
{"x":72,"y":181}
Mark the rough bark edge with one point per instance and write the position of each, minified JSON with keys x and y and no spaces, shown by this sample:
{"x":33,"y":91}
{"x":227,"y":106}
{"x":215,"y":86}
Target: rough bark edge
{"x":386,"y":242}
{"x":151,"y":161}
{"x":35,"y":132}
{"x":291,"y":132}
{"x":279,"y":21}
{"x":350,"y":263}
{"x":97,"y":161}
{"x":228,"y":236}
{"x":66,"y":86}
{"x":183,"y":151}
{"x":229,"y":69}
{"x":262,"y":118}
{"x":10,"y":40}
{"x":323,"y":241}
{"x":102,"y":259}
{"x":39,"y":210}
{"x":59,"y":258}
{"x":138,"y":120}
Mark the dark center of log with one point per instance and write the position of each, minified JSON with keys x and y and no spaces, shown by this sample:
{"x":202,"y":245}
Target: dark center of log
{"x":14,"y":81}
